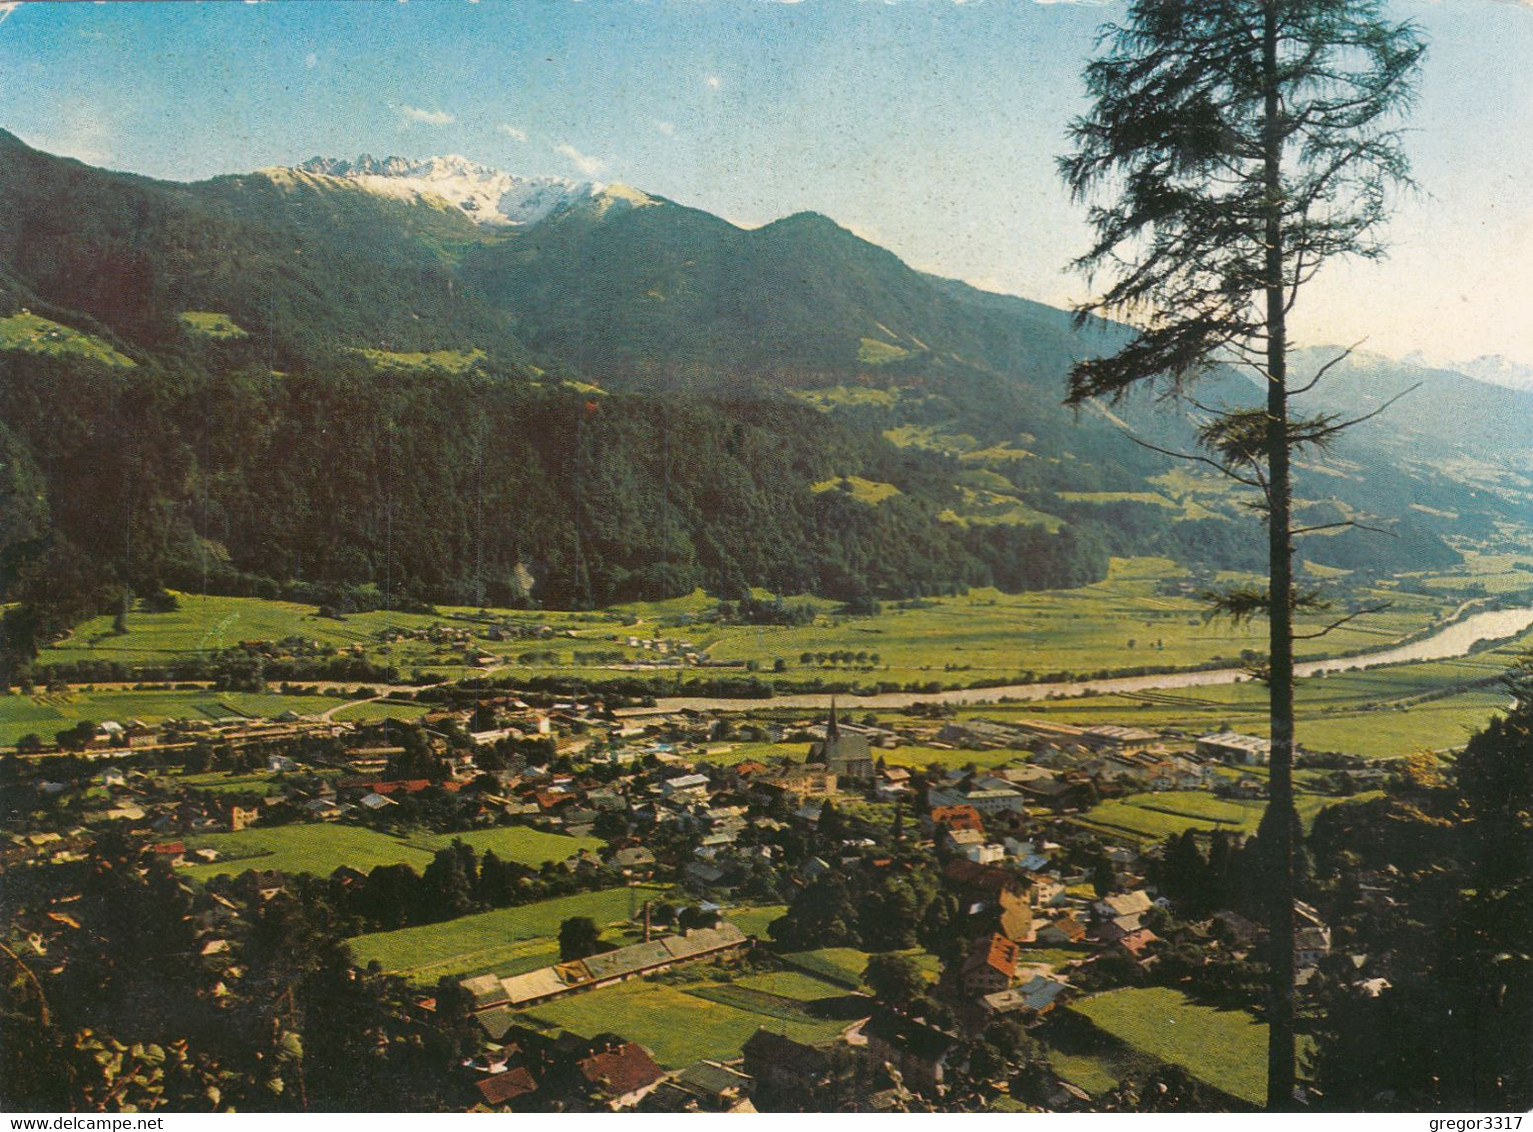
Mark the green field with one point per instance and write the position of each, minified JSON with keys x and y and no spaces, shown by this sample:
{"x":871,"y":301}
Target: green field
{"x":791,"y":984}
{"x":52,"y":712}
{"x":220,"y":782}
{"x":323,"y":848}
{"x":211,"y":324}
{"x":32,"y":334}
{"x":678,"y":1027}
{"x":754,"y":921}
{"x":1056,"y":957}
{"x":1123,"y":622}
{"x":876,"y":352}
{"x":1096,"y":1075}
{"x":1379,"y":713}
{"x":847,"y":395}
{"x":380,"y":709}
{"x":1117,"y":624}
{"x":864,"y":491}
{"x":205,"y":623}
{"x":488,"y":941}
{"x":844,"y":965}
{"x":1159,"y":815}
{"x":445,"y":361}
{"x":1225,"y":1048}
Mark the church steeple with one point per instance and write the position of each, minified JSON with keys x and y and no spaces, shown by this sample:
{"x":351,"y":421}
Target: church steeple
{"x":831,"y":731}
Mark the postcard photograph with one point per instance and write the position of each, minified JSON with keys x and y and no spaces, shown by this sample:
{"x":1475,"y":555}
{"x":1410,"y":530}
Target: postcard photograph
{"x":766,"y":556}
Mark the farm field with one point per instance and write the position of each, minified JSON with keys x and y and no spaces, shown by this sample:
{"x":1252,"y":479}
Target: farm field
{"x":1498,"y":573}
{"x":322,"y":848}
{"x":1122,"y":622}
{"x":1055,"y":957}
{"x":791,"y":984}
{"x":1157,"y":816}
{"x":1094,"y":1074}
{"x":380,"y":709}
{"x":48,"y":713}
{"x":205,"y":623}
{"x":677,"y":1023}
{"x":754,"y":921}
{"x":1225,"y":1048}
{"x":221,"y":782}
{"x":1380,"y":712}
{"x":1119,"y":623}
{"x":844,"y":965}
{"x":505,"y":940}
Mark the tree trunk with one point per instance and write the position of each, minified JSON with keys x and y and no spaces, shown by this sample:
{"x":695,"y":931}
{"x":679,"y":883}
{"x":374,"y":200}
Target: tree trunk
{"x":1279,"y":827}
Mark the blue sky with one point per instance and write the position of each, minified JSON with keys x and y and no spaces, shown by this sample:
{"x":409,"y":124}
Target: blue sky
{"x":926,"y":125}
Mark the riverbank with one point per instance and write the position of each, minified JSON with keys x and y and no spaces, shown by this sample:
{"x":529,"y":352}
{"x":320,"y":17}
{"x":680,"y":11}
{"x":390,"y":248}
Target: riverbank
{"x":1454,"y":640}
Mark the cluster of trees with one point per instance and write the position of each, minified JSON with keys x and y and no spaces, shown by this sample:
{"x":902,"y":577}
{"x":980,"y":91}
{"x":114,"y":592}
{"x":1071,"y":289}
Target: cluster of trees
{"x":875,"y":909}
{"x":127,"y":1013}
{"x":1454,"y":1028}
{"x":1200,"y":883}
{"x":457,"y":881}
{"x":751,"y":610}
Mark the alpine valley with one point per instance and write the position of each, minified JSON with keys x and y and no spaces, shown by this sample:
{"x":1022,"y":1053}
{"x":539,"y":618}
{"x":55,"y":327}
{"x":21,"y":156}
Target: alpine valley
{"x":431,"y":381}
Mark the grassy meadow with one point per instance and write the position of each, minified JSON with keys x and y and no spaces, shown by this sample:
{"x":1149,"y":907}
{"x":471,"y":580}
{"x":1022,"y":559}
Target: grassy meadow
{"x":1120,"y":623}
{"x":844,"y":965}
{"x":33,"y":334}
{"x":681,"y":1024}
{"x":211,"y":324}
{"x":47,"y":713}
{"x":205,"y":623}
{"x":511,"y":941}
{"x":321,"y":848}
{"x":506,"y":941}
{"x":1154,"y":817}
{"x":1225,"y":1048}
{"x":1379,"y":713}
{"x":1134,"y":618}
{"x":985,"y":635}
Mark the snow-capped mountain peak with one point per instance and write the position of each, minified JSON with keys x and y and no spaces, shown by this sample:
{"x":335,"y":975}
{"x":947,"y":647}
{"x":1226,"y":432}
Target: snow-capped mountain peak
{"x":484,"y":195}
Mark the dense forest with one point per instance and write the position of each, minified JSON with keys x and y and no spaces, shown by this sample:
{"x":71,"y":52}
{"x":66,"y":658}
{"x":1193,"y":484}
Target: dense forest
{"x":472,"y":487}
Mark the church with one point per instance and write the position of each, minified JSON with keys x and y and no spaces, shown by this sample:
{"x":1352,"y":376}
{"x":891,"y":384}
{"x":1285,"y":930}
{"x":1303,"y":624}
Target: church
{"x":847,"y":756}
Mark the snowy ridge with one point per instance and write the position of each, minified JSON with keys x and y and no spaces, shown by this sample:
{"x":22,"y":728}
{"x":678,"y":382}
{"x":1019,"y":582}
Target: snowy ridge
{"x":485,"y":195}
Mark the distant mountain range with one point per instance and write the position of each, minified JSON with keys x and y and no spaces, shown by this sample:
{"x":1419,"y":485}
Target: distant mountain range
{"x":484,"y":195}
{"x":1497,"y":370}
{"x":429,"y":284}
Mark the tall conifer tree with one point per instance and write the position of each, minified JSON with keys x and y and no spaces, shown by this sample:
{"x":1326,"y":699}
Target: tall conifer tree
{"x":1233,"y":148}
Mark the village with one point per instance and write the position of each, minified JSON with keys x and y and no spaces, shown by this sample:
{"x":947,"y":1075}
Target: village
{"x":1023,"y":904}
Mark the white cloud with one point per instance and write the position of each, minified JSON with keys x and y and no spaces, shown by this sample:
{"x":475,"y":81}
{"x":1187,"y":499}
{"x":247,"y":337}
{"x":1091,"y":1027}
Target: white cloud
{"x":590,"y":166}
{"x":311,"y":60}
{"x":7,"y":8}
{"x":713,"y":82}
{"x":513,"y":132}
{"x":664,"y":127}
{"x":426,"y":117}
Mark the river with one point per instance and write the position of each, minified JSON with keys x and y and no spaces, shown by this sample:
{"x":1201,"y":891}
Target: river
{"x":1457,"y":639}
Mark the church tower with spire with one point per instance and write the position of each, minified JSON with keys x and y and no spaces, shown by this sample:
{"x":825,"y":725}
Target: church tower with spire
{"x":847,"y":755}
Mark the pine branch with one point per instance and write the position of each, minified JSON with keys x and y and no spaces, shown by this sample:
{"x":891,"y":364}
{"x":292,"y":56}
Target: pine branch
{"x":1195,"y":458}
{"x":1340,"y":621}
{"x":1325,"y":369}
{"x":1339,"y":525}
